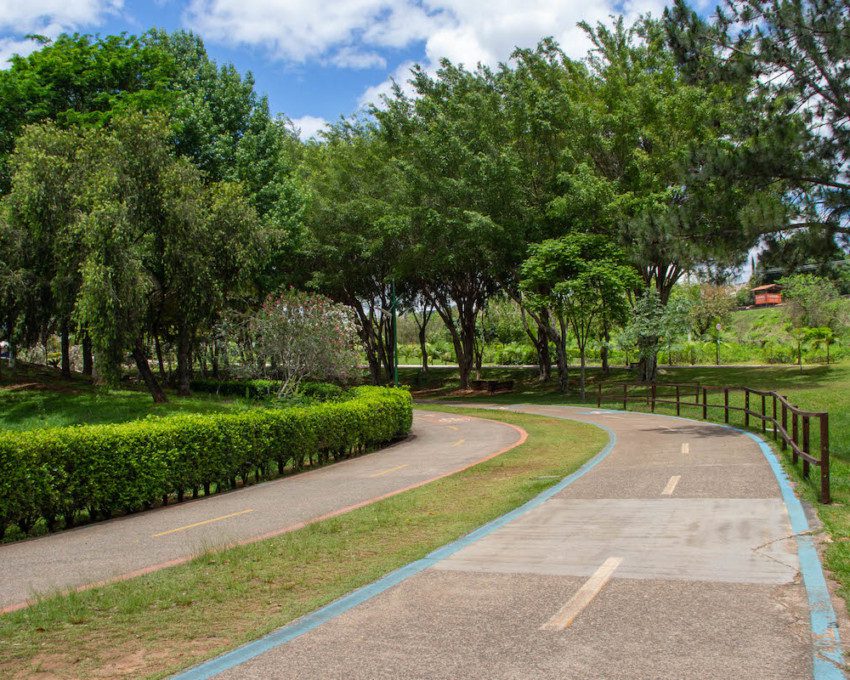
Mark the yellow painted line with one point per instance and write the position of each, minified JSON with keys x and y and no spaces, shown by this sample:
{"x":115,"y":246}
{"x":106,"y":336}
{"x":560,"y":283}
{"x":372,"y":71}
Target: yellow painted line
{"x":200,"y":524}
{"x":671,"y":485}
{"x":570,"y":611}
{"x":386,"y":472}
{"x":458,"y":442}
{"x":686,"y":448}
{"x":453,"y":427}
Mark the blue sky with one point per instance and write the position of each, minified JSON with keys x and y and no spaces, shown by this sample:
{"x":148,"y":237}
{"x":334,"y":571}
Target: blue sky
{"x":319,"y":59}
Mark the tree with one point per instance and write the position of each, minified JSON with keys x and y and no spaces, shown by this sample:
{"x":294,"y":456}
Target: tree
{"x":580,"y":280}
{"x":357,"y":229}
{"x":653,"y":323}
{"x":641,"y":133}
{"x":792,"y":58}
{"x":163,"y":252}
{"x":822,"y":337}
{"x":811,"y":301}
{"x":80,"y":80}
{"x":710,"y":305}
{"x":452,"y":143}
{"x":42,"y":209}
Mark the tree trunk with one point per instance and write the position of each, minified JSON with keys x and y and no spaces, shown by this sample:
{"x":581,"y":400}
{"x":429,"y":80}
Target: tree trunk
{"x":540,"y":340}
{"x":65,"y":347}
{"x":184,"y":361}
{"x":544,"y":358}
{"x":423,"y":345}
{"x":215,"y":353}
{"x":563,"y":370}
{"x":88,"y":359}
{"x":560,"y":341}
{"x":582,"y":373}
{"x":145,"y":371}
{"x":158,"y":347}
{"x":648,"y":364}
{"x":603,"y":351}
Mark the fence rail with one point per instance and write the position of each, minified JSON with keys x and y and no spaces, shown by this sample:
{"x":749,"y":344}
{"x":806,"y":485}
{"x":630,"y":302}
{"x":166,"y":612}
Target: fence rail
{"x":770,"y":408}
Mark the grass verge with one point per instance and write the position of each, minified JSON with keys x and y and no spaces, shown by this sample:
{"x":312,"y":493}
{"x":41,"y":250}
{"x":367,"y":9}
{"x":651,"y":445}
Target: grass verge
{"x":154,"y":625}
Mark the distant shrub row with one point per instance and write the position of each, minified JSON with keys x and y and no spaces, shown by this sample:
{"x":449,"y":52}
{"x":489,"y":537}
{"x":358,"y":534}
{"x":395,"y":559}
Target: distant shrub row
{"x":260,"y":389}
{"x":62,"y":474}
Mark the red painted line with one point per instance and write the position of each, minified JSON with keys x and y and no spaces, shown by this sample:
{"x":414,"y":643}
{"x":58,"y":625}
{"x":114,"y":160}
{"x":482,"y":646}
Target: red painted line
{"x":523,"y":435}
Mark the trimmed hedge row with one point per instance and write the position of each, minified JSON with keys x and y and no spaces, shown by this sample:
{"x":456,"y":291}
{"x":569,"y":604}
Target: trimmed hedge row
{"x":260,"y":389}
{"x":57,"y":473}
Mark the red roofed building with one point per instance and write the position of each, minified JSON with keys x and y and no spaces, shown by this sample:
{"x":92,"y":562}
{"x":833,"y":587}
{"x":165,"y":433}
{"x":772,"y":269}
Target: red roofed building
{"x":770,"y":294}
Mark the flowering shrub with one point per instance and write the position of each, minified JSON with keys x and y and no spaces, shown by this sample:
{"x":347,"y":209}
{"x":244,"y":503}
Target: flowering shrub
{"x":300,"y":335}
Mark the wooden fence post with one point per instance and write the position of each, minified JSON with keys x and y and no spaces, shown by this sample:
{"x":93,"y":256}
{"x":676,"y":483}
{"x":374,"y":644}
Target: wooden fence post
{"x":746,"y":407}
{"x":774,"y":417}
{"x":704,"y":403}
{"x":678,"y":404}
{"x":794,"y":436}
{"x":653,"y":397}
{"x":805,"y":446}
{"x":625,"y":397}
{"x":824,"y":459}
{"x":599,"y":395}
{"x":784,"y":426}
{"x":726,"y":404}
{"x":763,"y":413}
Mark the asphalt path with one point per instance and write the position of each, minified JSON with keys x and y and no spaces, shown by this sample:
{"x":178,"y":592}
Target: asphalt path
{"x":674,"y":557}
{"x":440,"y":444}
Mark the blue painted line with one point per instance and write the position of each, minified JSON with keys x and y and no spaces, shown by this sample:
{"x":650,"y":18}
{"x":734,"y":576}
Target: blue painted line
{"x":310,"y":621}
{"x":827,"y":656}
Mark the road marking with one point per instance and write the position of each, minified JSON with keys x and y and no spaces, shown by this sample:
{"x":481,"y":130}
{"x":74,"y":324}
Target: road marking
{"x":686,"y":448}
{"x":458,"y":442}
{"x":386,"y":472}
{"x":199,"y":524}
{"x":570,"y":611}
{"x":671,"y":485}
{"x":454,"y":427}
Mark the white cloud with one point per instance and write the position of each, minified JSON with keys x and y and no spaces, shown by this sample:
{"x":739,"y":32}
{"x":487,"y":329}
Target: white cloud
{"x":350,"y":57}
{"x":48,"y":18}
{"x":357,"y":33}
{"x":309,"y":126}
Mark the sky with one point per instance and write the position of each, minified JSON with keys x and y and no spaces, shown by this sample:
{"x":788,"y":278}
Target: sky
{"x":317,"y":60}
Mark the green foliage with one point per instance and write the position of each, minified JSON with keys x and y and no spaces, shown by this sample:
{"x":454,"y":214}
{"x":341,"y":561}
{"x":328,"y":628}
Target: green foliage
{"x":58,"y":473}
{"x":81,"y":80}
{"x":263,"y":389}
{"x":811,"y":302}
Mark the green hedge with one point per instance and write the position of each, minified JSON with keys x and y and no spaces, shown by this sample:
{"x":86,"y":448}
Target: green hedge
{"x":58,"y":473}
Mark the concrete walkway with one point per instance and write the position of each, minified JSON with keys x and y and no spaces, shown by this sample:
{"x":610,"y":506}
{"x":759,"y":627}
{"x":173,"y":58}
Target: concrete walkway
{"x":673,"y":558}
{"x":440,"y":444}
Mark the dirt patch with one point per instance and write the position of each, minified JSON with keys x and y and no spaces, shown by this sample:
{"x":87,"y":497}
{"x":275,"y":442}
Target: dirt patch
{"x":41,"y":387}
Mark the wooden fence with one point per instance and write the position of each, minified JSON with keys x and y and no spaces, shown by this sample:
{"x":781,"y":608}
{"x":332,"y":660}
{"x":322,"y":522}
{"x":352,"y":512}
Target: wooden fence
{"x":769,"y":409}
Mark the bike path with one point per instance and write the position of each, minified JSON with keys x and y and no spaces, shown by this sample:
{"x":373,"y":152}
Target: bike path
{"x":675,"y":554}
{"x":440,"y":444}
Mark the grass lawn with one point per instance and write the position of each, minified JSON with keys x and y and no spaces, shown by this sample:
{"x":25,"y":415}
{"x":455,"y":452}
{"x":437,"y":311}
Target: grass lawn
{"x":154,"y":625}
{"x":36,"y":397}
{"x":816,"y":388}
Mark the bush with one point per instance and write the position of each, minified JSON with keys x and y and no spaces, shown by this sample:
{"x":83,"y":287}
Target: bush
{"x":263,"y":389}
{"x":58,"y":473}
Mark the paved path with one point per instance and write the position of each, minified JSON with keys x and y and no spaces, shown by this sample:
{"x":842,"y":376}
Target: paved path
{"x":440,"y":444}
{"x":673,"y":558}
